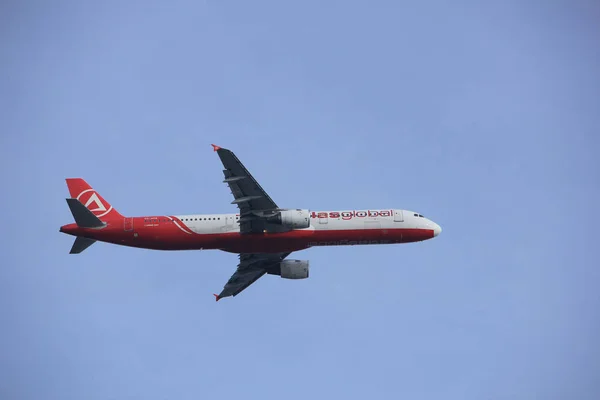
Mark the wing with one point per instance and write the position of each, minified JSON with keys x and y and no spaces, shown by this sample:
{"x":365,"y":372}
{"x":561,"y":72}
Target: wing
{"x":250,"y":268}
{"x":254,"y":203}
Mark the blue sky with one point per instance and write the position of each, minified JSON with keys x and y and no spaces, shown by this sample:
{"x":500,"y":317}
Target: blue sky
{"x":483,"y":117}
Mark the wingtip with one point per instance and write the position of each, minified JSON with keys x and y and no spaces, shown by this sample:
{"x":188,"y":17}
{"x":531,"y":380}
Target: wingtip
{"x":215,"y":147}
{"x":217,"y":298}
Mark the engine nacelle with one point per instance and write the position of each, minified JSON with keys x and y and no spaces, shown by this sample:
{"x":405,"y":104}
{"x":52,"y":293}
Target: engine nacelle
{"x":294,"y":269}
{"x":292,"y":219}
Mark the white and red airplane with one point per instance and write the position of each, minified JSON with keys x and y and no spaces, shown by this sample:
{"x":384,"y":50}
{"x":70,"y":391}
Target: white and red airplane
{"x":261,"y":233}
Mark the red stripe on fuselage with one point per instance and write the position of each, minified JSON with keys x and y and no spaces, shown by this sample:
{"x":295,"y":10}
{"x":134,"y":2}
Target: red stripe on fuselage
{"x":160,"y":235}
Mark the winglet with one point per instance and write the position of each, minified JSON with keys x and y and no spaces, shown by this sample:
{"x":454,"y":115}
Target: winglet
{"x":215,"y":147}
{"x":217,"y":298}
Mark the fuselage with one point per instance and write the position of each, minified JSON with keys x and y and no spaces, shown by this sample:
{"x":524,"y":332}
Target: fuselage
{"x":222,"y":232}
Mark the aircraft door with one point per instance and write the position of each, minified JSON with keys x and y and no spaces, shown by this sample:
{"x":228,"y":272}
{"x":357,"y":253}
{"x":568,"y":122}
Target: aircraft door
{"x":128,"y":224}
{"x":323,"y":218}
{"x":398,"y":217}
{"x":228,"y":225}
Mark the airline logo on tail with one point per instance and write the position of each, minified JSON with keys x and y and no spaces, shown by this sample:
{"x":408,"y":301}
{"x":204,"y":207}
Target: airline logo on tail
{"x":90,"y":199}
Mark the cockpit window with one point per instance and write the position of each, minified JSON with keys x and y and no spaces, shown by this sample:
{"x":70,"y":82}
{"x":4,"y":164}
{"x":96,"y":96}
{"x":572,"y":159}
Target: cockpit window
{"x":419,"y":215}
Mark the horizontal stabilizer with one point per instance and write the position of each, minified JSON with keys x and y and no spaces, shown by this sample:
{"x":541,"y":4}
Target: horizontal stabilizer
{"x":84,"y":218}
{"x":81,"y":244}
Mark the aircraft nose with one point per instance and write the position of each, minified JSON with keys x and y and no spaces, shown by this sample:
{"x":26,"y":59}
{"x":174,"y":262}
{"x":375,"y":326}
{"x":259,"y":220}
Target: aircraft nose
{"x":436,"y":230}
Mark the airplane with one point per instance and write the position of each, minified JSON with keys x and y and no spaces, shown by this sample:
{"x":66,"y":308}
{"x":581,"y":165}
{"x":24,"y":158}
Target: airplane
{"x":262,"y":233}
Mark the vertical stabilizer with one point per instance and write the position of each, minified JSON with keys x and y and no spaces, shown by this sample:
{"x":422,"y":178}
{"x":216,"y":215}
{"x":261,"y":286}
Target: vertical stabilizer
{"x":91,"y":199}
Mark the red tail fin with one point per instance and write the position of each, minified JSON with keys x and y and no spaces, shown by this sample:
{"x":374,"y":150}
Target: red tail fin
{"x":83,"y":192}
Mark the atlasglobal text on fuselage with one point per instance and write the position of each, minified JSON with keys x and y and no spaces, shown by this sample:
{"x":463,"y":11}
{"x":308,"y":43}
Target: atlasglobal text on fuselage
{"x":262,"y":233}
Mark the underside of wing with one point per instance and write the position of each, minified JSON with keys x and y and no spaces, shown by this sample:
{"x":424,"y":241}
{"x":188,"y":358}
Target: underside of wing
{"x":249,"y":270}
{"x":254,"y":203}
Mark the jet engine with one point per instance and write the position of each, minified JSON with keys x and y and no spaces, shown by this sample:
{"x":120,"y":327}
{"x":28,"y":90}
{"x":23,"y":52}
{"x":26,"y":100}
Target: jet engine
{"x":292,"y":219}
{"x":294,"y":269}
